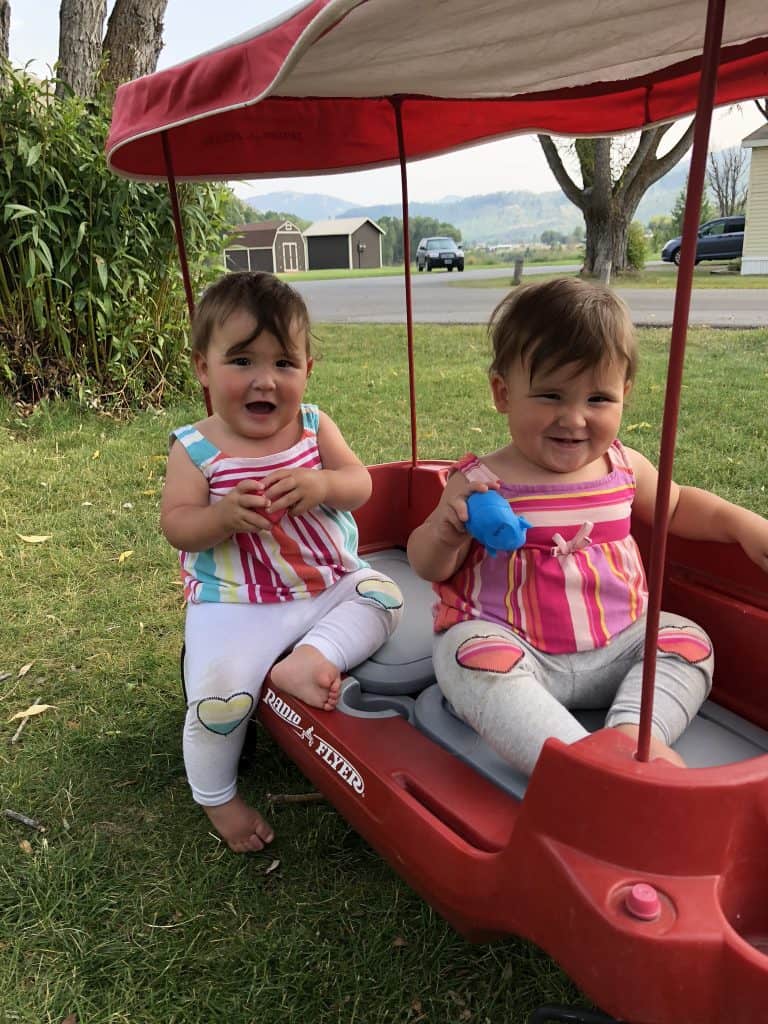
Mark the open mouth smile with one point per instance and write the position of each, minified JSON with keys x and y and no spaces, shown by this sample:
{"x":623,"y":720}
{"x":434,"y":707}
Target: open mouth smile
{"x":260,"y":408}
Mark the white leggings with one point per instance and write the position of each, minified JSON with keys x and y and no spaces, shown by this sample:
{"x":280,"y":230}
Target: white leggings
{"x":230,"y":648}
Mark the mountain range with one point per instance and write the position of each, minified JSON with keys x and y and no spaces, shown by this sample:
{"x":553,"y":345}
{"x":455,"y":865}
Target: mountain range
{"x":495,"y":218}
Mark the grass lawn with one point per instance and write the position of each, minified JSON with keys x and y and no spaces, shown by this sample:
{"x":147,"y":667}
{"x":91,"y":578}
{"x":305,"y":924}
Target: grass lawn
{"x":127,"y":910}
{"x":707,"y":275}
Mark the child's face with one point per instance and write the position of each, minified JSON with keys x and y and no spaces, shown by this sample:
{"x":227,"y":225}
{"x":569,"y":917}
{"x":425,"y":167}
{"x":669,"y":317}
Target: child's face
{"x":256,"y":389}
{"x":562,"y":420}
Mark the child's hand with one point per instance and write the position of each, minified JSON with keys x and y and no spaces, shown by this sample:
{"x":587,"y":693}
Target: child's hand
{"x":450,"y":517}
{"x":240,"y":509}
{"x":297,"y":490}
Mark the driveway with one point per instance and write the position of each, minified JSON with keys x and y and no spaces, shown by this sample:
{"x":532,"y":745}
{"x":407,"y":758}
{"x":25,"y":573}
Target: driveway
{"x":438,"y":298}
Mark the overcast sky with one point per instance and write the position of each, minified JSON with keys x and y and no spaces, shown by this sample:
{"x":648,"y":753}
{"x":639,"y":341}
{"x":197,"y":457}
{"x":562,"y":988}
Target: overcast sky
{"x":189,"y":29}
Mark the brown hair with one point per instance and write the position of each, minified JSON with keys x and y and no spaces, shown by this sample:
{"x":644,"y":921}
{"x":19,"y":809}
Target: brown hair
{"x":555,"y":323}
{"x":275,"y":306}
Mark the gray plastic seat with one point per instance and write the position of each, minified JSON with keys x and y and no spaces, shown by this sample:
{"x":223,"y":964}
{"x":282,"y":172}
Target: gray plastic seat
{"x":715,"y":737}
{"x":404,"y":664}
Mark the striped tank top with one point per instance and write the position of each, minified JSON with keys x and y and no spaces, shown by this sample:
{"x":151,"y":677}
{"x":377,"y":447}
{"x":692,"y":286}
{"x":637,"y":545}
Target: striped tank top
{"x":299,"y":557}
{"x":565,"y":593}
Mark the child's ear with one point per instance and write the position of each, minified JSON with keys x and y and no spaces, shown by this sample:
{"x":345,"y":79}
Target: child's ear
{"x":627,"y":388}
{"x":310,"y":364}
{"x":500,"y":393}
{"x":200,"y":364}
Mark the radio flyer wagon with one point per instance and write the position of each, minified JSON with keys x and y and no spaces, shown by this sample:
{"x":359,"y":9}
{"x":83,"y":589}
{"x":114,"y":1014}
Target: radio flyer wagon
{"x":646,"y":883}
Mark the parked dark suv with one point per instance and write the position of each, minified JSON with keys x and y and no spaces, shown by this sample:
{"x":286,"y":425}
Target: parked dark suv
{"x":721,"y":239}
{"x":439,"y":252}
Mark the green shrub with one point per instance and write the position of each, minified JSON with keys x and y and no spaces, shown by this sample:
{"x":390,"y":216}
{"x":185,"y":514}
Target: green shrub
{"x":91,"y":298}
{"x":637,"y":249}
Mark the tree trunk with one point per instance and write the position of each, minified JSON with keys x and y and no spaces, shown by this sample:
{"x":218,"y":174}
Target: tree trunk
{"x":81,"y":25}
{"x":609,"y":205}
{"x":134,"y":39}
{"x":5,"y":28}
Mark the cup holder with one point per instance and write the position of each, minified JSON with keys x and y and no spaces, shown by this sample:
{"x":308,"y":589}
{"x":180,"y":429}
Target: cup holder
{"x":744,"y":901}
{"x":359,"y":704}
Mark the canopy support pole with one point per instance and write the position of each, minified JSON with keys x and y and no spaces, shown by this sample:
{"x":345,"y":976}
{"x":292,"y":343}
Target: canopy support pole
{"x":397,"y":102}
{"x":180,"y":244}
{"x":704,"y":107}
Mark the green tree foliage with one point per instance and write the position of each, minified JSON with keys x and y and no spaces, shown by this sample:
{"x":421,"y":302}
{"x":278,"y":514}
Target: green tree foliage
{"x":420,"y":227}
{"x":637,"y":249}
{"x":253,"y":216}
{"x":91,"y":297}
{"x":706,"y":213}
{"x":662,"y":228}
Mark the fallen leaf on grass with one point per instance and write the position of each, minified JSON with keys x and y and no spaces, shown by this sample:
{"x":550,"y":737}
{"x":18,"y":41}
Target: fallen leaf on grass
{"x":34,"y":538}
{"x":71,"y":1019}
{"x":33,"y":709}
{"x":25,"y":846}
{"x":124,"y":556}
{"x":24,"y":669}
{"x":272,"y":867}
{"x":96,"y":454}
{"x":398,"y":941}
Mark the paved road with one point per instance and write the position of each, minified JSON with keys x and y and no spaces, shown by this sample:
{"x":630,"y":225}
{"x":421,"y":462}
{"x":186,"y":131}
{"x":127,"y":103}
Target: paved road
{"x":438,"y":298}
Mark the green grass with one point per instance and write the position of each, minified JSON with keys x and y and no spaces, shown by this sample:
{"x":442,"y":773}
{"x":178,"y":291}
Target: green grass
{"x":708,"y":275}
{"x":127,"y":910}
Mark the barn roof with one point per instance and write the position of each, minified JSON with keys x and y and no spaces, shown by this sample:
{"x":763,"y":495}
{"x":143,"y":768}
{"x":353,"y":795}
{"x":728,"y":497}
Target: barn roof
{"x":340,"y":226}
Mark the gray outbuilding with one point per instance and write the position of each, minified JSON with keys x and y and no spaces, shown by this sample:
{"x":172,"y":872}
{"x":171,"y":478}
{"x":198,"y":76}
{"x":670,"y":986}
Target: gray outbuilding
{"x":276,"y":246}
{"x":348,"y":243}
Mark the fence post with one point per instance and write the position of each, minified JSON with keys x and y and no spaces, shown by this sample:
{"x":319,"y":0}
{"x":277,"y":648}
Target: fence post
{"x":518,"y":275}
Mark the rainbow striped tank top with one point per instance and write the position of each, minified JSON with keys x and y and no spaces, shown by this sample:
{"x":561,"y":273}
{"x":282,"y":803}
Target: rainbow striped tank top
{"x":299,"y":557}
{"x":561,"y":601}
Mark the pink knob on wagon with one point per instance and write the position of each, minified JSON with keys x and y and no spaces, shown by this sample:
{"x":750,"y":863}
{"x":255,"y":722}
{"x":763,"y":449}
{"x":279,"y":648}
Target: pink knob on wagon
{"x":642,"y":901}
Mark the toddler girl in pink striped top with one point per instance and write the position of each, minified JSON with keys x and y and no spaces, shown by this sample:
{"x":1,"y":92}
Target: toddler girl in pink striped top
{"x":258,"y":499}
{"x":523,"y":638}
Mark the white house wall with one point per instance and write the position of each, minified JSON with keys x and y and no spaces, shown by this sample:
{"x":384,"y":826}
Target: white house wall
{"x":754,"y":259}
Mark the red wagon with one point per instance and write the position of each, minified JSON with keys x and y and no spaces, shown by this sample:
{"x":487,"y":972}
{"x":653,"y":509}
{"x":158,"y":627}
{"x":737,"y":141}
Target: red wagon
{"x":645,"y":883}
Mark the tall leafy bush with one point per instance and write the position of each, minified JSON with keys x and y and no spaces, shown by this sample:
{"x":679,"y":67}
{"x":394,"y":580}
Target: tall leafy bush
{"x":91,"y":297}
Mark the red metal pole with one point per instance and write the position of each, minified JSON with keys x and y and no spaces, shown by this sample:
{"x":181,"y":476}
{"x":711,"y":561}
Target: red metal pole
{"x":177,"y":224}
{"x":180,"y":245}
{"x":397,"y":105}
{"x":704,"y":106}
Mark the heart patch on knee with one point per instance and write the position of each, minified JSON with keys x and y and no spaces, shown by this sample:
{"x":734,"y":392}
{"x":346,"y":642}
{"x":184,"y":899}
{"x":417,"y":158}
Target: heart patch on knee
{"x":383,"y":592}
{"x":223,"y":715}
{"x":691,"y":647}
{"x":489,"y":654}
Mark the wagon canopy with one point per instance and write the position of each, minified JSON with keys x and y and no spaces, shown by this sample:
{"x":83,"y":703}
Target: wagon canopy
{"x":312,"y":91}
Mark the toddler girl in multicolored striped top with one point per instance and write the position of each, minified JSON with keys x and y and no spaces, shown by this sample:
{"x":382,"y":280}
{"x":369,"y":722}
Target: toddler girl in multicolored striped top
{"x":258,"y":500}
{"x":526,"y":637}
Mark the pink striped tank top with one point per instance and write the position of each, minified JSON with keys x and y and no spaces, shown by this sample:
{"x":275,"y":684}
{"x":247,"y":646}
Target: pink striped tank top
{"x":299,"y":557}
{"x":561,"y":597}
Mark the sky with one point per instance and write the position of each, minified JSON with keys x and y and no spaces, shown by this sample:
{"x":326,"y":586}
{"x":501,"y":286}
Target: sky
{"x":511,"y":164}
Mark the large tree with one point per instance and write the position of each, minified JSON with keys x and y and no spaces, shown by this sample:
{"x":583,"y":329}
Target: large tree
{"x":5,"y":27}
{"x":134,"y":39}
{"x":726,"y":177}
{"x":131,"y":46}
{"x":612,"y":185}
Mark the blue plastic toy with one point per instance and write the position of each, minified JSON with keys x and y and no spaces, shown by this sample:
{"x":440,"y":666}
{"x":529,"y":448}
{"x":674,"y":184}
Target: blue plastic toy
{"x":493,"y":523}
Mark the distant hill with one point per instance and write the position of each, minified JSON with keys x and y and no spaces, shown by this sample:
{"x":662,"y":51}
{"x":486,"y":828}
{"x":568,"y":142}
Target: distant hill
{"x":494,"y":218}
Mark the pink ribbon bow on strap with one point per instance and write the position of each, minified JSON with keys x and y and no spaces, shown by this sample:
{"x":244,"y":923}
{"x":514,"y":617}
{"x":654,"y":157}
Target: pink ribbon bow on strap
{"x":579,"y":541}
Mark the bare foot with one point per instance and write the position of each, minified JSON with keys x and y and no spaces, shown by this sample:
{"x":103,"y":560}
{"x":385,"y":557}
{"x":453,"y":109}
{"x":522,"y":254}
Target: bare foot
{"x":308,"y":675}
{"x":241,"y":827}
{"x":656,"y":748}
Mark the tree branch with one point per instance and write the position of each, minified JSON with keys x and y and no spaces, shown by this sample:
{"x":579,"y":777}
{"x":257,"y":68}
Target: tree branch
{"x":570,"y":189}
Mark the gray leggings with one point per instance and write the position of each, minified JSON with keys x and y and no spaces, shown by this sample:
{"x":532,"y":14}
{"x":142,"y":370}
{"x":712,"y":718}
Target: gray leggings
{"x":516,"y":697}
